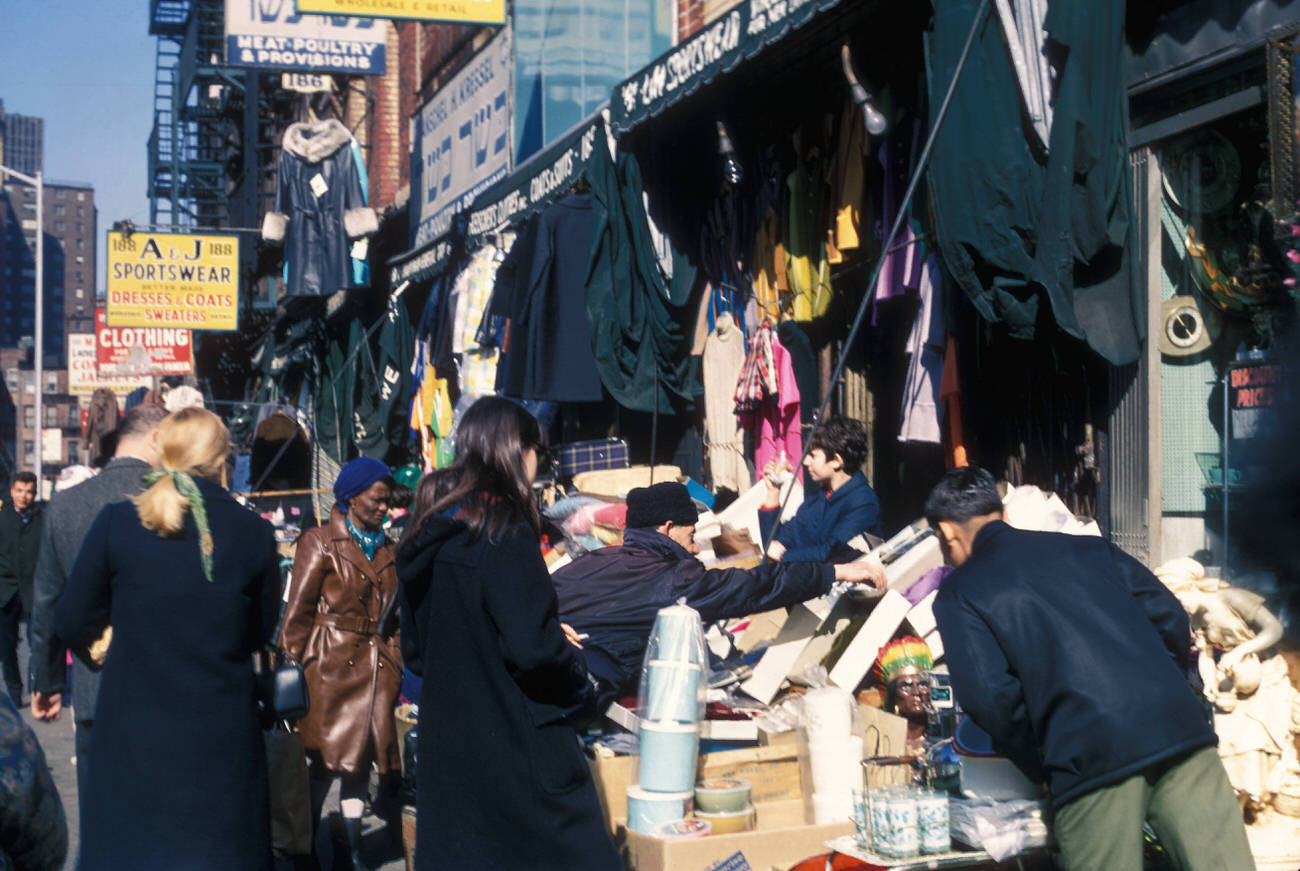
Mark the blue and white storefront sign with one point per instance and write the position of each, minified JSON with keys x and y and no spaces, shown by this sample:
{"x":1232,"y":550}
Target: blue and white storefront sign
{"x":462,"y":141}
{"x":271,"y":35}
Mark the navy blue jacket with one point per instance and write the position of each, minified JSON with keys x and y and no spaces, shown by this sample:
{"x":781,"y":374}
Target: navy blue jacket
{"x":1072,"y":656}
{"x":825,"y":519}
{"x":614,"y":593}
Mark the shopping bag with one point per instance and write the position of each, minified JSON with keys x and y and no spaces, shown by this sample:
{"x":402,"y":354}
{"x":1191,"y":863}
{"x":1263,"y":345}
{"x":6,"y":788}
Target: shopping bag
{"x":286,"y":764}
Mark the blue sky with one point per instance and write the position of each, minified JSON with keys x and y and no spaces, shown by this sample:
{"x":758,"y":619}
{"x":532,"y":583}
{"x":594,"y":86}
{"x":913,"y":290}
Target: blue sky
{"x":86,"y":67}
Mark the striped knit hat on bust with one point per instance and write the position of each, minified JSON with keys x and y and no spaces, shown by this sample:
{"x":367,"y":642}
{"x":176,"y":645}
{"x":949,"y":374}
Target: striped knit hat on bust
{"x":906,"y":655}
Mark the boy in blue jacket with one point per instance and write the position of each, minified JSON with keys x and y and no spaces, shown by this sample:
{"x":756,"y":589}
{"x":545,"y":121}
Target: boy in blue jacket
{"x":840,"y":506}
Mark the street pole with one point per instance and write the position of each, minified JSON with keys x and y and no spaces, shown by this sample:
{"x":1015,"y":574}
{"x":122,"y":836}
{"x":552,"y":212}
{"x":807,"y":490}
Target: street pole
{"x":39,"y":442}
{"x":39,"y":350}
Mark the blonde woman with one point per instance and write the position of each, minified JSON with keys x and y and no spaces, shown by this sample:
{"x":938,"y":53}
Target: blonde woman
{"x":188,"y":580}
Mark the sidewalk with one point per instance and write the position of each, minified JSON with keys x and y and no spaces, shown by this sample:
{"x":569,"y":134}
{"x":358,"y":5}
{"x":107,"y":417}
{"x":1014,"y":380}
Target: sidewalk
{"x":58,"y":739}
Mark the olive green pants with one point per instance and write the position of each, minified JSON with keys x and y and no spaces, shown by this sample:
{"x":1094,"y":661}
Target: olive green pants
{"x":1189,"y":804}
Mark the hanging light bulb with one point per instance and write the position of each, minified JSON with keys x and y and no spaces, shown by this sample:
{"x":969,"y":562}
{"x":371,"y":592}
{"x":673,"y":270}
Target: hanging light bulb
{"x":732,"y":172}
{"x":875,"y":122}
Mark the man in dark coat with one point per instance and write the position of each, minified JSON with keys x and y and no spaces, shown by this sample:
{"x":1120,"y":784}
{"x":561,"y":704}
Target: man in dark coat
{"x":612,"y":595}
{"x":1073,"y":657}
{"x":20,"y":536}
{"x":70,"y":514}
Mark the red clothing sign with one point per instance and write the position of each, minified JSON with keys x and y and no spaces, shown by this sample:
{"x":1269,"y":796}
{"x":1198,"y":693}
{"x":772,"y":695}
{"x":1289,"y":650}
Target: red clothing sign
{"x":142,"y":350}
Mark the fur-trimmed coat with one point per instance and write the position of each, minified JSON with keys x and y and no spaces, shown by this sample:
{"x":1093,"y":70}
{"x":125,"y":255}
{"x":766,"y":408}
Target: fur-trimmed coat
{"x":319,"y":207}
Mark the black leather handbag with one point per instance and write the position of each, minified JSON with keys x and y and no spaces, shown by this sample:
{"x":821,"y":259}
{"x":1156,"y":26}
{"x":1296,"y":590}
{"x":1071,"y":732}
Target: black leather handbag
{"x":283,"y":690}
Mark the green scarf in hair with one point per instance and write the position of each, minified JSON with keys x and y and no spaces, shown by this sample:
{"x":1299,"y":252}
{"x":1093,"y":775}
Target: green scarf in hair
{"x":187,"y":488}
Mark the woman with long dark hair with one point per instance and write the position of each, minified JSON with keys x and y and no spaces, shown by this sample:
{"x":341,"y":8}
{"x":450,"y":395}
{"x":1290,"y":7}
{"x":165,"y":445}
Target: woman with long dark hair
{"x":501,"y":780}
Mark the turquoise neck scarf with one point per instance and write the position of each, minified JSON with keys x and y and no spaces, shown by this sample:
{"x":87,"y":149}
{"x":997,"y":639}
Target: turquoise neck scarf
{"x":369,"y":542}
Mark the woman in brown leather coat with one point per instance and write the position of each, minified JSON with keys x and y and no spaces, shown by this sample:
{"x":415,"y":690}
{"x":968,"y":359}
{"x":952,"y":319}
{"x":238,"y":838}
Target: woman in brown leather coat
{"x":340,"y":623}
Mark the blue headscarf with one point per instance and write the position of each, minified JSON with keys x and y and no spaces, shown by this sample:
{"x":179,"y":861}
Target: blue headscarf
{"x":356,"y":477}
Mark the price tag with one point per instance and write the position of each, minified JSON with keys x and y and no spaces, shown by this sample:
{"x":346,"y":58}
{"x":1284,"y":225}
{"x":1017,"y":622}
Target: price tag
{"x":360,"y":248}
{"x":318,"y":186}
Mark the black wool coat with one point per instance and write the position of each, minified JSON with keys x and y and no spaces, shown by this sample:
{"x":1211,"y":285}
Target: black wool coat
{"x":501,"y":780}
{"x":179,"y":778}
{"x":20,"y":543}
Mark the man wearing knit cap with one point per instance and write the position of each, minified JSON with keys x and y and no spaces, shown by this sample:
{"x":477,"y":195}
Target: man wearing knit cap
{"x":611,"y":595}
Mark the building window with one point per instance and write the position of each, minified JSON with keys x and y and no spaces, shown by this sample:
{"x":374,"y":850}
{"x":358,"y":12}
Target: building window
{"x":74,"y":447}
{"x":74,"y":416}
{"x":58,"y":226}
{"x":59,"y":211}
{"x":81,"y":292}
{"x":81,"y":261}
{"x":81,"y":212}
{"x":29,"y":453}
{"x":58,"y":194}
{"x":81,"y":243}
{"x":11,"y":380}
{"x":51,"y":382}
{"x":51,"y":415}
{"x":29,"y":416}
{"x":81,"y":196}
{"x":29,"y":383}
{"x":81,"y":228}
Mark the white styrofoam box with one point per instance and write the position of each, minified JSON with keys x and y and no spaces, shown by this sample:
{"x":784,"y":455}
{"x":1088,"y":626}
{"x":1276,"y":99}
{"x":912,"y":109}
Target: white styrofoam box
{"x":921,"y":617}
{"x":861,"y":653}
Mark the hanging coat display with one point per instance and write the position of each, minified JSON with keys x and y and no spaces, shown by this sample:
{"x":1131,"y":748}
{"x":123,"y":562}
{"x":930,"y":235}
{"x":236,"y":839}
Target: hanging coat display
{"x":385,"y":380}
{"x":1021,"y":233}
{"x":636,"y":315}
{"x":721,"y":364}
{"x":320,"y":204}
{"x":540,"y":287}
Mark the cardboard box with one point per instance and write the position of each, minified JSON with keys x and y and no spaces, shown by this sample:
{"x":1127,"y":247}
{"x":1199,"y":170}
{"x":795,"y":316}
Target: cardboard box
{"x":780,"y":838}
{"x":773,"y":773}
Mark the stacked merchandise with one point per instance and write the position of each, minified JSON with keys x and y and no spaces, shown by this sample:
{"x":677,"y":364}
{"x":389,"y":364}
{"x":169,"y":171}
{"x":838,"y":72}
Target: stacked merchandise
{"x":672,"y":697}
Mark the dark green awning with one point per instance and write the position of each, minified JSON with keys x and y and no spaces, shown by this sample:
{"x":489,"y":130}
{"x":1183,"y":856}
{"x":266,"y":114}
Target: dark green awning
{"x":741,"y":33}
{"x":536,"y":183}
{"x":533,"y":185}
{"x":420,"y":263}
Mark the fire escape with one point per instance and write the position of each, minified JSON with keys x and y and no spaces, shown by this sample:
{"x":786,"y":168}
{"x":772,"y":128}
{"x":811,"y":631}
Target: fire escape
{"x":201,"y":144}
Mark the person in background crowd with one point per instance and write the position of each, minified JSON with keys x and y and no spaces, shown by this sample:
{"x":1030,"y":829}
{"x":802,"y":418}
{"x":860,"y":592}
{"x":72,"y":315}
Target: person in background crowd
{"x":612,"y":595}
{"x":33,"y":829}
{"x":841,"y":506}
{"x":502,"y":781}
{"x":20,"y":539}
{"x":188,"y":579}
{"x":339,"y":622}
{"x":399,"y":510}
{"x":70,"y":513}
{"x":1073,"y":657}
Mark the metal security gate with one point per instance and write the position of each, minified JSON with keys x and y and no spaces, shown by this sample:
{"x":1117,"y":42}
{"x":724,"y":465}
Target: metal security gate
{"x":1132,"y":448}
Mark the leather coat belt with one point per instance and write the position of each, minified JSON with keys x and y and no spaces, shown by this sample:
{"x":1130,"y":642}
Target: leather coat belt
{"x":348,"y":623}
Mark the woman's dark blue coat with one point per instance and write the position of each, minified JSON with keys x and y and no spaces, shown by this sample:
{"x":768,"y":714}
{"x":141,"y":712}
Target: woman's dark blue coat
{"x":501,"y":781}
{"x":178,"y":779}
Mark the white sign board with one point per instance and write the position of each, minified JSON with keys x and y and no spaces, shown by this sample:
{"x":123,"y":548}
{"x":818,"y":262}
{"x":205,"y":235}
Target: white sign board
{"x":83,"y":372}
{"x":271,"y":35}
{"x":52,"y":445}
{"x":462,"y":140}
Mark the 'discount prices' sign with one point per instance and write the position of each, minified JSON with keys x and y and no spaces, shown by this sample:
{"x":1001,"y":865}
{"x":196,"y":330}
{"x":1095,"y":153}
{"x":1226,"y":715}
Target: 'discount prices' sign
{"x":173,"y":280}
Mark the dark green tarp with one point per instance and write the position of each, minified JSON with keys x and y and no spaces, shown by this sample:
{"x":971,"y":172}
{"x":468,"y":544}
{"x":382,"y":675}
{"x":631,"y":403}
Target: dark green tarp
{"x":637,"y":317}
{"x":1032,"y":239}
